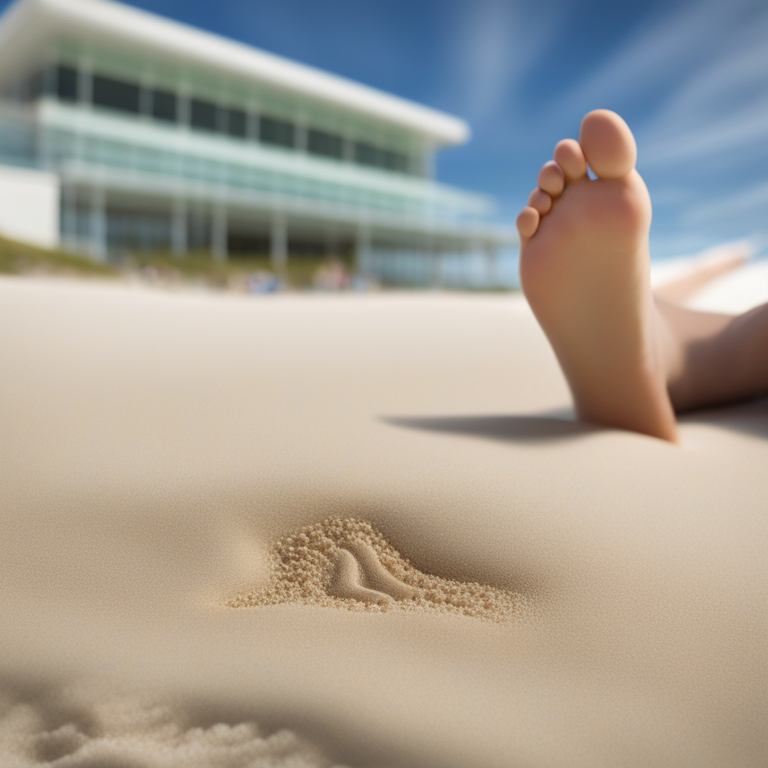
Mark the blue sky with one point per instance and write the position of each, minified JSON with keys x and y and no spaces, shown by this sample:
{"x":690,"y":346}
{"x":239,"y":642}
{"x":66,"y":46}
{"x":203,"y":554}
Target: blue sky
{"x":690,"y":78}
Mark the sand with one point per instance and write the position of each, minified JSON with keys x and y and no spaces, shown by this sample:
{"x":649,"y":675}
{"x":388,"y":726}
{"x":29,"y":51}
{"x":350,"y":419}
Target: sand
{"x":558,"y":594}
{"x":347,"y":563}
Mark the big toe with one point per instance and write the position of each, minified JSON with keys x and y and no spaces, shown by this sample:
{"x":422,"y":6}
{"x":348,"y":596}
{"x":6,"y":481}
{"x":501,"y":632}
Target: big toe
{"x":608,"y":144}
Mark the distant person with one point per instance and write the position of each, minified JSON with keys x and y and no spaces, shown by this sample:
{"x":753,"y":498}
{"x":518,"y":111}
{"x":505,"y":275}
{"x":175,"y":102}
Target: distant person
{"x":631,"y":360}
{"x":331,"y":276}
{"x":263,"y":281}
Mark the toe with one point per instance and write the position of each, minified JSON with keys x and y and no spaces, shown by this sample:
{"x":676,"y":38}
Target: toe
{"x":608,"y":144}
{"x":570,"y":157}
{"x":551,"y":178}
{"x":540,"y":200}
{"x":528,"y":221}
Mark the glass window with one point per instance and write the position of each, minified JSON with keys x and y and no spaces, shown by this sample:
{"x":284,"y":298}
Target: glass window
{"x":402,"y":163}
{"x":237,"y":123}
{"x":394,"y":161}
{"x":164,"y":106}
{"x":278,"y":132}
{"x":203,"y":115}
{"x":115,"y":94}
{"x":325,"y":144}
{"x":66,"y":83}
{"x":367,"y":154}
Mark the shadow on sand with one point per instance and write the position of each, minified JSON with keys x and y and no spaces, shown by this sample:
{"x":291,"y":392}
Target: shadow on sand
{"x":751,"y":418}
{"x":534,"y":428}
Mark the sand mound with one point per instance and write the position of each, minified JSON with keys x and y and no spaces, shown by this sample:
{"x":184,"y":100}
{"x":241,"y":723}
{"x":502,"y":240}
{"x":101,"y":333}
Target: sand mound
{"x":84,"y":727}
{"x":347,"y":563}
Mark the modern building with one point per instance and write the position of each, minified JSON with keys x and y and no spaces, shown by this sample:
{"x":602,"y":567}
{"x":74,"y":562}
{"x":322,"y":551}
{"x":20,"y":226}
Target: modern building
{"x":146,"y":134}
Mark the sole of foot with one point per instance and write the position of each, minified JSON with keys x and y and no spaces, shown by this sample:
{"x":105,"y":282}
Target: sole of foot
{"x":585,"y":270}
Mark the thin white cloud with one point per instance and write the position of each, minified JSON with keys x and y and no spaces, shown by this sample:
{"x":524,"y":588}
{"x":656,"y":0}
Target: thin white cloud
{"x":722,"y":107}
{"x":700,"y":54}
{"x":656,"y":48}
{"x":685,"y":142}
{"x":493,"y":44}
{"x":739,"y":204}
{"x":720,"y":99}
{"x":741,"y":67}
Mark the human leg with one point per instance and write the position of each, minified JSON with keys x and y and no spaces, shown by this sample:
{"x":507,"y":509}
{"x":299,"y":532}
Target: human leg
{"x":714,"y":358}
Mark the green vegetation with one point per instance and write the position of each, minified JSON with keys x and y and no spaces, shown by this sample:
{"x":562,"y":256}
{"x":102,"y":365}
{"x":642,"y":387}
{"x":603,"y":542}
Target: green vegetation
{"x":197,"y":268}
{"x":19,"y":258}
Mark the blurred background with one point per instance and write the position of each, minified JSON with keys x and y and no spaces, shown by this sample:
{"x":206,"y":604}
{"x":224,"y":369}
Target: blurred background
{"x":380,"y":195}
{"x":691,"y":79}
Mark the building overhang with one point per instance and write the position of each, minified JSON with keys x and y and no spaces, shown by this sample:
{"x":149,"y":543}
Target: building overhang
{"x":148,"y":187}
{"x":30,"y":24}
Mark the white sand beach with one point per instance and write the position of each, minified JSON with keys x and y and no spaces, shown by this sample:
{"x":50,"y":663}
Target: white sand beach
{"x":557,"y":594}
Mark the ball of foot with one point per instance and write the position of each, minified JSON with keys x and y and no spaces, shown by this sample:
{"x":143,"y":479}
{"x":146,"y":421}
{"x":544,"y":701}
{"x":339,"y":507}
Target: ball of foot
{"x":608,"y":144}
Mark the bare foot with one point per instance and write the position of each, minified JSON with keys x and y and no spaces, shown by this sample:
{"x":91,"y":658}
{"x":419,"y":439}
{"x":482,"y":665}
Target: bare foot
{"x":585,"y":270}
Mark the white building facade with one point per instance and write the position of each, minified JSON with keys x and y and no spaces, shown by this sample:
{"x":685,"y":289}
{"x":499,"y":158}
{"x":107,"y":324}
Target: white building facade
{"x":155,"y":136}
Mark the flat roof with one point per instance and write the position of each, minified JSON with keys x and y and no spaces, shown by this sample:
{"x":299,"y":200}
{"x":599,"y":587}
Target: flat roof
{"x":34,"y":21}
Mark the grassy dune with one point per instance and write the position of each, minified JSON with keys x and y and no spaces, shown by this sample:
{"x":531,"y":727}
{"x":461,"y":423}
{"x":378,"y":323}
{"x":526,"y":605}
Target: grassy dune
{"x":18,"y":258}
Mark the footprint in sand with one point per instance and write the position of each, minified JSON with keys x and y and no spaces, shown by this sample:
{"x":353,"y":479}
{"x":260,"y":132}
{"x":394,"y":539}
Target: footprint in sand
{"x":348,"y":581}
{"x":360,"y":575}
{"x":347,"y":563}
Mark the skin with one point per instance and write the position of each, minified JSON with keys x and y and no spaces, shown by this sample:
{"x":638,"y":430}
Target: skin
{"x":632,"y":360}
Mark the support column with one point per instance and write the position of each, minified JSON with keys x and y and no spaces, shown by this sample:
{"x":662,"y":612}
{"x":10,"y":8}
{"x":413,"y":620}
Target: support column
{"x":85,"y":82}
{"x":84,"y":101}
{"x":301,"y":135}
{"x":363,"y":250}
{"x":97,"y":245}
{"x":436,"y":255}
{"x":253,"y":123}
{"x":279,"y":244}
{"x":348,"y":150}
{"x":219,"y":234}
{"x":491,"y":261}
{"x":440,"y":269}
{"x":68,"y":222}
{"x":179,"y":243}
{"x":145,"y":97}
{"x":182,"y":105}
